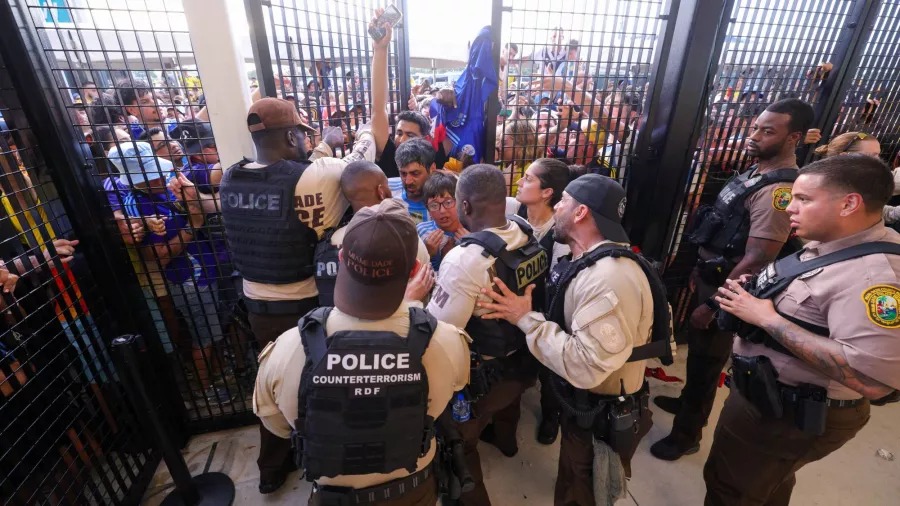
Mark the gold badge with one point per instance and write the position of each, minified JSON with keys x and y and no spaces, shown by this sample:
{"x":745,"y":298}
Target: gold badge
{"x":781,"y":198}
{"x":881,"y":305}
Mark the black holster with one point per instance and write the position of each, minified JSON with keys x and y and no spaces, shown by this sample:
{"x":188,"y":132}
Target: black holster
{"x":756,"y":379}
{"x":715,"y":271}
{"x":453,"y":477}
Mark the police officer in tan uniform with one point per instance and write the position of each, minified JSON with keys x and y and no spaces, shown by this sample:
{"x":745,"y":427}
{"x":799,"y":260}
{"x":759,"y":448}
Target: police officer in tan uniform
{"x":744,"y":230}
{"x":607,"y":315}
{"x":821,"y":344}
{"x":496,"y":247}
{"x":361,"y":364}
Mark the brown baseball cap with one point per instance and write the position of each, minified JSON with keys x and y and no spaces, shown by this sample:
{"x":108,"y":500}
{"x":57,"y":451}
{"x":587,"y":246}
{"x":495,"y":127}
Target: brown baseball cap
{"x":271,"y":113}
{"x":377,"y":256}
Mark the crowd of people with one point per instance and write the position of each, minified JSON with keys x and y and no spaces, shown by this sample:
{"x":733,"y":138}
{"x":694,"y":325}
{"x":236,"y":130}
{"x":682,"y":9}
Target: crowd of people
{"x":403,"y":295}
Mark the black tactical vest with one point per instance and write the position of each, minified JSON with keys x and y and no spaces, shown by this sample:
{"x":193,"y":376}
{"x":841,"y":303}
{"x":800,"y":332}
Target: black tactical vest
{"x":363,"y":398}
{"x":661,"y":334}
{"x":327,"y":263}
{"x":724,"y":227}
{"x":518,"y":269}
{"x":268,"y":243}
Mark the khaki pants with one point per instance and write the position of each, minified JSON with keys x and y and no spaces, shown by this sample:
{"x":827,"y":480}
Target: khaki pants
{"x":754,"y":458}
{"x":500,"y":406}
{"x":574,"y":477}
{"x":423,"y":495}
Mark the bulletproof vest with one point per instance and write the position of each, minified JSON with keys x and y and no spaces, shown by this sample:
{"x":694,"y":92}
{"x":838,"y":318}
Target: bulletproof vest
{"x":661,"y":332}
{"x":363,"y":398}
{"x":724,"y":227}
{"x":777,"y":276}
{"x":517,"y":269}
{"x":327,"y":262}
{"x":268,"y":243}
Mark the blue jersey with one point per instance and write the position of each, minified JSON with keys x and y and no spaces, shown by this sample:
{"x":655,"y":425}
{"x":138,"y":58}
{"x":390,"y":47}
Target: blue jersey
{"x":417,"y":210}
{"x":197,"y":261}
{"x":425,"y":229}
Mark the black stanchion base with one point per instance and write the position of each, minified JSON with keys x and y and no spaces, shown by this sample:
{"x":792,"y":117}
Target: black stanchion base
{"x":214,"y":489}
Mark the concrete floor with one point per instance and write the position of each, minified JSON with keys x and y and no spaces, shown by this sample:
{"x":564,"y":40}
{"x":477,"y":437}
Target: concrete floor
{"x":852,"y":476}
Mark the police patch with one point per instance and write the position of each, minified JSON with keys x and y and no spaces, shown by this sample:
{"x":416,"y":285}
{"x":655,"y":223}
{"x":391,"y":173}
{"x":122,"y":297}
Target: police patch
{"x":781,"y":198}
{"x":610,"y":339}
{"x":881,"y":305}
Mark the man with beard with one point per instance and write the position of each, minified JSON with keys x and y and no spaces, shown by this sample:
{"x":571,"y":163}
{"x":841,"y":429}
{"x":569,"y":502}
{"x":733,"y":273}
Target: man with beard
{"x":743,"y":231}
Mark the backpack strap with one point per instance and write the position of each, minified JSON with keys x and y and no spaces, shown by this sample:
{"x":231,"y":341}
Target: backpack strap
{"x":493,"y":245}
{"x":315,"y":345}
{"x":422,"y":326}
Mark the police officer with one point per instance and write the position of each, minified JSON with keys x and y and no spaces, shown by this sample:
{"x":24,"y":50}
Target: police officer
{"x":823,"y":337}
{"x":275,"y":210}
{"x":496,"y":247}
{"x":373,"y":373}
{"x":608,"y":314}
{"x":363,"y":184}
{"x":744,"y":230}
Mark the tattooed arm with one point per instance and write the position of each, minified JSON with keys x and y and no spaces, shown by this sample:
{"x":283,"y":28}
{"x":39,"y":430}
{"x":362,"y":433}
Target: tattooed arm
{"x":823,"y":354}
{"x":826,"y":355}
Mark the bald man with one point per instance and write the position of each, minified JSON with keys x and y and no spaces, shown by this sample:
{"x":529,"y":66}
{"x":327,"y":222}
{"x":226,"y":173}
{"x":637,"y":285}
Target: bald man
{"x":363,"y":184}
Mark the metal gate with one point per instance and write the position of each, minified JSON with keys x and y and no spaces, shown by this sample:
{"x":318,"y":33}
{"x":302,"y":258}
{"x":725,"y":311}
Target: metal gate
{"x":67,"y":436}
{"x":318,"y":53}
{"x":127,"y":80}
{"x":575,"y":77}
{"x":771,"y":50}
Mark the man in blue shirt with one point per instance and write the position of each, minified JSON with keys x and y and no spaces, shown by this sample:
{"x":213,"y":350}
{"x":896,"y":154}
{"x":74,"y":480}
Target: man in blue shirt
{"x":138,"y":100}
{"x":175,"y":247}
{"x":415,"y":158}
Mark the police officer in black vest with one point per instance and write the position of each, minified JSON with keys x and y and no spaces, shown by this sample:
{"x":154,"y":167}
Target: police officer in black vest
{"x":275,"y":210}
{"x":744,"y":230}
{"x":498,"y":247}
{"x":607,"y":315}
{"x":357,"y":387}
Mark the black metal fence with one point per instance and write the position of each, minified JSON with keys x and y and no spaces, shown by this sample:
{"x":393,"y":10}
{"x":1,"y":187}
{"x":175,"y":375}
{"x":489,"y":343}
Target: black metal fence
{"x":126,"y":75}
{"x":67,"y":436}
{"x":320,"y":54}
{"x":770,"y":51}
{"x":574,"y":81}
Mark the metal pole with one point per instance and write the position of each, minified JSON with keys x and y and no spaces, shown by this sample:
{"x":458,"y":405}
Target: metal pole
{"x":260,"y":42}
{"x":207,"y":489}
{"x":493,"y":103}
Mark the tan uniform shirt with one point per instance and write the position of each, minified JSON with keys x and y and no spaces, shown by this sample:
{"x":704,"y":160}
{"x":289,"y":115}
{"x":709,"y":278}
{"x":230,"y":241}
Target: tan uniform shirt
{"x":608,"y":311}
{"x":446,"y":362}
{"x":768,"y":219}
{"x":857,"y":301}
{"x":320,"y":204}
{"x":464,"y":273}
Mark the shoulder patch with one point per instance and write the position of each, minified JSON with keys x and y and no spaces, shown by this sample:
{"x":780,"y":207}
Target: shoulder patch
{"x":781,"y":197}
{"x":881,"y":305}
{"x":610,"y":338}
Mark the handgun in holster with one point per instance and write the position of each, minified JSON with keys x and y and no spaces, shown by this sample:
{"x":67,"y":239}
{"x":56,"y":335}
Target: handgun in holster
{"x":714,"y":271}
{"x":482,"y":375}
{"x":756,"y":379}
{"x":450,"y":460}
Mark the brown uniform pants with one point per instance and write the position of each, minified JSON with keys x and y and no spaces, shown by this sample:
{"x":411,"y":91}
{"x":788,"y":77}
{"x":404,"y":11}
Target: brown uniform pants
{"x":574,"y":477}
{"x":423,"y":495}
{"x":274,"y":452}
{"x":500,"y":406}
{"x":753,"y":457}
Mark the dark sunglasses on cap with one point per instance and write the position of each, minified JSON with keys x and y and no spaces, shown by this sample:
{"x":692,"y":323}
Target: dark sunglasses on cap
{"x":859,"y":137}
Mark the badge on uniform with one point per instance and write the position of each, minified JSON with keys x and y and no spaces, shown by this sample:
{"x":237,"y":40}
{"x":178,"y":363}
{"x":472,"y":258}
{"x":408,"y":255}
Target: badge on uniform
{"x":881,"y":305}
{"x":781,"y":198}
{"x":810,"y":273}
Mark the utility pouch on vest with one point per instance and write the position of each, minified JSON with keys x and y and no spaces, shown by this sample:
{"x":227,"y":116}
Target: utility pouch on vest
{"x":811,"y":411}
{"x":705,"y":225}
{"x":756,"y":379}
{"x":715,"y":271}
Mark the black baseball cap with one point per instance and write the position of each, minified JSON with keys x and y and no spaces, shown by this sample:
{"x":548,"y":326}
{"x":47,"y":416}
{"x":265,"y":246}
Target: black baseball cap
{"x":193,"y":136}
{"x":377,"y":256}
{"x":606,"y":200}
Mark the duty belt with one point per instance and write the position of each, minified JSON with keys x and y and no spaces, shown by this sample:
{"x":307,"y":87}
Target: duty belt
{"x":791,"y":395}
{"x":346,"y":496}
{"x":275,"y":307}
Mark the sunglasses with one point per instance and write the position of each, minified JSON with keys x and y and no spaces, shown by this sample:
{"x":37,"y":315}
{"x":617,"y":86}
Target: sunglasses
{"x":859,"y":137}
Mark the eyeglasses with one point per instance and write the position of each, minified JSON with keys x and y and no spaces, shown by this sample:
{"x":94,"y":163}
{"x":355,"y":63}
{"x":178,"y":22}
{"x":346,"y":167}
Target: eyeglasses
{"x":436,"y":206}
{"x":859,"y":137}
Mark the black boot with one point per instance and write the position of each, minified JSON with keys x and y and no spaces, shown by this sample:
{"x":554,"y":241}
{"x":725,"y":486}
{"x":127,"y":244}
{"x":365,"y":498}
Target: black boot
{"x":548,"y":429}
{"x":274,"y":481}
{"x":672,"y":447}
{"x":508,"y":446}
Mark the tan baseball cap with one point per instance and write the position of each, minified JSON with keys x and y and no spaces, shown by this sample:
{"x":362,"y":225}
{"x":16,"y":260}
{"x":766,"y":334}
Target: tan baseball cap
{"x":377,"y":257}
{"x":271,"y":113}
